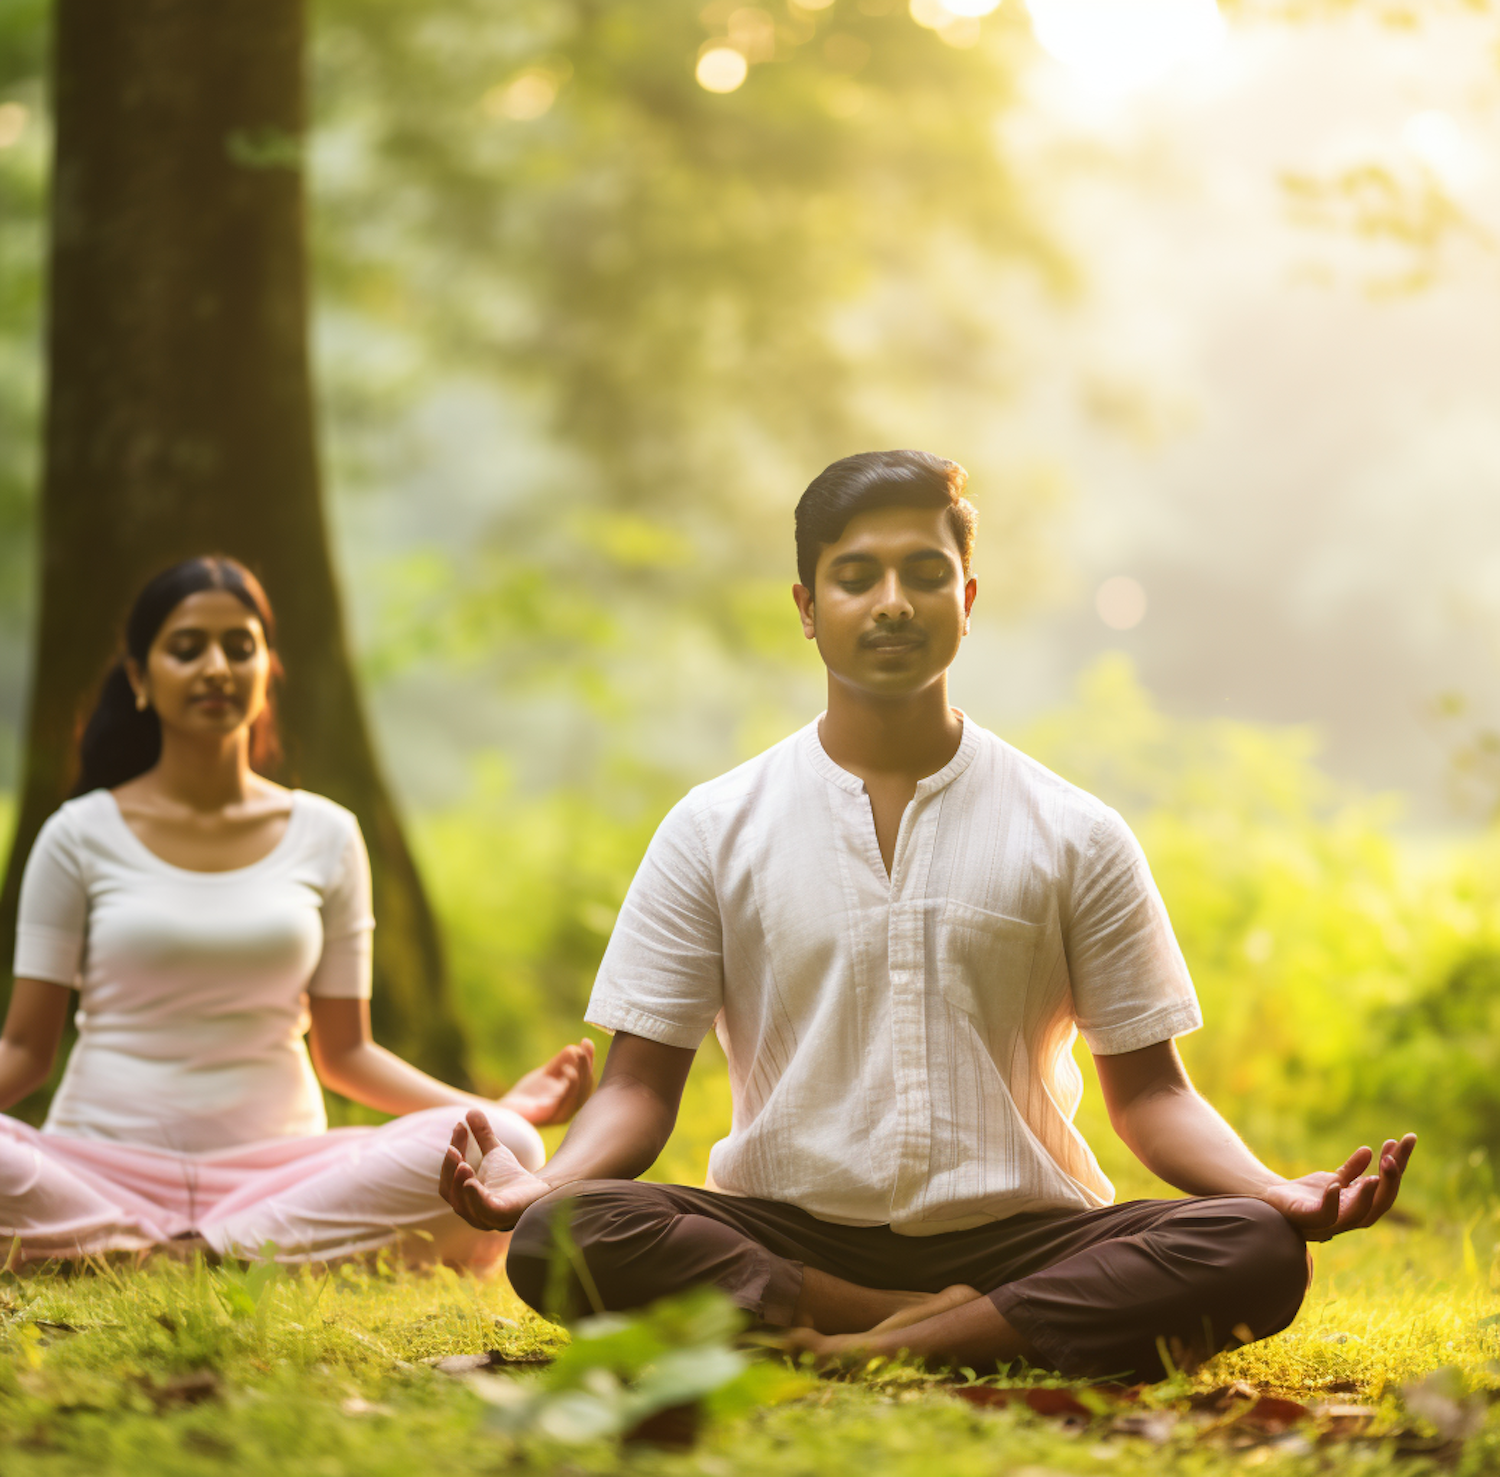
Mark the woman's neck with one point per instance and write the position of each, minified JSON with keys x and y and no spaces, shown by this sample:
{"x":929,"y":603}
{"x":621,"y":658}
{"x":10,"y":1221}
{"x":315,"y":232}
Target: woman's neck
{"x":204,"y":776}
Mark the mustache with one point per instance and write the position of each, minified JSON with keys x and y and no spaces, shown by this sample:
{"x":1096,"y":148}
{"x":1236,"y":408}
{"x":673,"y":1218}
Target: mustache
{"x":905,"y":633}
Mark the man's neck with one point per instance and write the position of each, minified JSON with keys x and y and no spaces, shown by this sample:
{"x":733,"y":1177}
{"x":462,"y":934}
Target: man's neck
{"x":912,"y":736}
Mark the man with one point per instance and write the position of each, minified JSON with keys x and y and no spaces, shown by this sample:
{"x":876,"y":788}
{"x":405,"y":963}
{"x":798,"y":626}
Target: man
{"x":897,"y":923}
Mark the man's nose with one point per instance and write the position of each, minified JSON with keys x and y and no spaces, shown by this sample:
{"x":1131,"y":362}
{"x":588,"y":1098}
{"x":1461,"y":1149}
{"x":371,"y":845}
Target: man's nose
{"x":891,"y":603}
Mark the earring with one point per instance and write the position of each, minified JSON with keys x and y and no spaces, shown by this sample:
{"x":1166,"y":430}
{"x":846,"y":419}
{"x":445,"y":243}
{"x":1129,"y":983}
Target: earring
{"x":140,"y":702}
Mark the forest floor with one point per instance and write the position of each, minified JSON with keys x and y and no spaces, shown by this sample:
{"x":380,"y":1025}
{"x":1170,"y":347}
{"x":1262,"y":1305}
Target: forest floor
{"x":167,"y":1369}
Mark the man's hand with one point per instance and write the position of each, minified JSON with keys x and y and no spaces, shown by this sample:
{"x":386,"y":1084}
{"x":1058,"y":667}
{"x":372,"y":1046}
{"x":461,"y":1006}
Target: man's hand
{"x":554,"y":1092}
{"x":1324,"y":1204}
{"x":493,"y":1197}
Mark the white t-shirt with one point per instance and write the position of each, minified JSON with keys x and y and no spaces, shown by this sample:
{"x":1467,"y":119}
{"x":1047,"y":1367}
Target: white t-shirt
{"x":192,"y":985}
{"x":899,"y":1047}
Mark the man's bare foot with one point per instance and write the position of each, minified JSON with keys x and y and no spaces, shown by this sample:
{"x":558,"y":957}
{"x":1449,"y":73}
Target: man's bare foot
{"x":970,"y":1330}
{"x":830,"y":1348}
{"x":877,"y":1340}
{"x":927,"y":1305}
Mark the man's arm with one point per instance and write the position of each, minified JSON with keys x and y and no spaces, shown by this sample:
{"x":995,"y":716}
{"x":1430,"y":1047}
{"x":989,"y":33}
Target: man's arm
{"x":616,"y":1136}
{"x":1179,"y":1137}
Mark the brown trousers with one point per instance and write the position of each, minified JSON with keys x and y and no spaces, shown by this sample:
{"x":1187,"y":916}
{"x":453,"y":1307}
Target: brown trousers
{"x":1098,"y":1292}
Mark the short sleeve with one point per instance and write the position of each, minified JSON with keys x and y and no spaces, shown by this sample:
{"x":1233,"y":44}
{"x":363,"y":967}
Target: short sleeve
{"x":344,"y":970}
{"x":1131,"y":986}
{"x":52,"y":920}
{"x":662,"y":976}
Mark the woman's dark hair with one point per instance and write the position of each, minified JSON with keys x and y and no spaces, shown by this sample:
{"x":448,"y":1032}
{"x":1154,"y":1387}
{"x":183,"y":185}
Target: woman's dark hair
{"x":120,"y":741}
{"x":880,"y":479}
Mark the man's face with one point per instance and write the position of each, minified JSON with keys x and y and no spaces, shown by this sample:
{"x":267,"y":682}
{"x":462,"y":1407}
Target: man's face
{"x":890,"y":602}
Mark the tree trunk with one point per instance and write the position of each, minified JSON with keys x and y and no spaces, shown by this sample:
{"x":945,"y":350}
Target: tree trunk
{"x":179,"y":413}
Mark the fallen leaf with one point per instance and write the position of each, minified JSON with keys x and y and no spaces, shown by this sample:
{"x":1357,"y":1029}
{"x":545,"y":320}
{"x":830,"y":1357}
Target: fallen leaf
{"x":1341,"y":1421}
{"x":1272,"y":1414}
{"x":1224,"y":1398}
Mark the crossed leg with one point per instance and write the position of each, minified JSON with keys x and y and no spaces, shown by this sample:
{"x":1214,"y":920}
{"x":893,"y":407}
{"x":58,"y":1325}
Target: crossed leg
{"x":1099,"y":1293}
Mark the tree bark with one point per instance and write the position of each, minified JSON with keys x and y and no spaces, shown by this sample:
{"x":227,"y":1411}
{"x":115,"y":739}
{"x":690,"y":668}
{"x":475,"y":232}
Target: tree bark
{"x":180,"y":419}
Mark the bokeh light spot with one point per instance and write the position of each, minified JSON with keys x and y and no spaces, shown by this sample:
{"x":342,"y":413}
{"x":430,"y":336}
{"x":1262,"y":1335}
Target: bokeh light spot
{"x":722,"y":69}
{"x":973,"y":8}
{"x":522,"y":99}
{"x":1121,"y":602}
{"x":1116,"y":46}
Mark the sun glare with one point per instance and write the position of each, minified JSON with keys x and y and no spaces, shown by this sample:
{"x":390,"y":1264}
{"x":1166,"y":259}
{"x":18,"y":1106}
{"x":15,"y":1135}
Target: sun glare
{"x":1118,"y":46}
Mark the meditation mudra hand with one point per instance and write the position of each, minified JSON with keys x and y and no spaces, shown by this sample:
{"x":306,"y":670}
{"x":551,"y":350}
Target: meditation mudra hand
{"x":494,"y":1196}
{"x":555,"y":1091}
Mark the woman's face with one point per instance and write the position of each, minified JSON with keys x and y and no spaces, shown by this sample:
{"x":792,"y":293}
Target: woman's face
{"x":208,"y":668}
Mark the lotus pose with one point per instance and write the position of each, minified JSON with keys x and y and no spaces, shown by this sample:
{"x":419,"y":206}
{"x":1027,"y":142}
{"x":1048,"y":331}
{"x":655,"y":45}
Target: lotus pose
{"x":207,"y":919}
{"x":897,"y":924}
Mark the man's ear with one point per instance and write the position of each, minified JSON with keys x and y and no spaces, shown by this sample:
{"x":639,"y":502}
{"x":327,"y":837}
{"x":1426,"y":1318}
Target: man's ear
{"x":971,"y":589}
{"x":804,"y":598}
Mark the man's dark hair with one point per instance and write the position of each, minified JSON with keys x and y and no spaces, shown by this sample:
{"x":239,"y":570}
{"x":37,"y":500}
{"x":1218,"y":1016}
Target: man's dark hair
{"x":880,"y":479}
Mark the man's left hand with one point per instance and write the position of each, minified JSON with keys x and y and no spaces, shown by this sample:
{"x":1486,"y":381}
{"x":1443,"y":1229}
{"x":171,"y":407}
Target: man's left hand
{"x":1326,"y":1204}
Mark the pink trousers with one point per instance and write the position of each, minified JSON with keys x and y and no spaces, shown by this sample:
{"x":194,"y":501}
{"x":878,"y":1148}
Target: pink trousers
{"x":327,"y":1195}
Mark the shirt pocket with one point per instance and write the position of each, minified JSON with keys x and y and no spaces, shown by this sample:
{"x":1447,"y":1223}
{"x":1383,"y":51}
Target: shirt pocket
{"x":984,"y":964}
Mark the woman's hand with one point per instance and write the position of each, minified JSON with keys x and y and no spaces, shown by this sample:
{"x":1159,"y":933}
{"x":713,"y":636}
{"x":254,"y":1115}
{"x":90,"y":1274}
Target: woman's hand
{"x":1328,"y":1203}
{"x":554,"y":1092}
{"x":494,"y":1196}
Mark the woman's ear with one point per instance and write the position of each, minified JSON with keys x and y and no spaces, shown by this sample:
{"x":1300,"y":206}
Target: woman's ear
{"x":137,"y":680}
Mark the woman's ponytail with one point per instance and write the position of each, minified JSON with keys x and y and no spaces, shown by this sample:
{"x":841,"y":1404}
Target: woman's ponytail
{"x":120,"y":740}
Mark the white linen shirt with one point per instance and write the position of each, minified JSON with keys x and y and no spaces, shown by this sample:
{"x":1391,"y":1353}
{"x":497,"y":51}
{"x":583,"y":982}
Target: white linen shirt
{"x":899,"y":1047}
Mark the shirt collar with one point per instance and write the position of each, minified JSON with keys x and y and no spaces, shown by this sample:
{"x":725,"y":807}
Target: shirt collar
{"x":817,"y":755}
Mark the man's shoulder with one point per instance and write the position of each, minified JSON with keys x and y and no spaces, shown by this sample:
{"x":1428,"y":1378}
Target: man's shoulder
{"x":1028,"y":782}
{"x":771,"y":772}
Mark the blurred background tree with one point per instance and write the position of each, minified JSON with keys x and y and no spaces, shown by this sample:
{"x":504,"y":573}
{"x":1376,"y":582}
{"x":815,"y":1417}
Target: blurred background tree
{"x":696,"y":296}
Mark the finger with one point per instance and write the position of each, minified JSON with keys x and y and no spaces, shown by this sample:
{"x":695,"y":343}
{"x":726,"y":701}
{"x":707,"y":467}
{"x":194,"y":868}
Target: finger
{"x":451,"y":1161}
{"x":1404,"y":1150}
{"x":482,"y":1209}
{"x":1390,"y":1182}
{"x":1355,"y":1205}
{"x":484,"y":1135}
{"x":1355,"y":1165}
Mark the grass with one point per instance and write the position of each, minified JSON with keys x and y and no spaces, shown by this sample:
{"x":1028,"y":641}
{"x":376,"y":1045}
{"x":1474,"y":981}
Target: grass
{"x":178,"y":1369}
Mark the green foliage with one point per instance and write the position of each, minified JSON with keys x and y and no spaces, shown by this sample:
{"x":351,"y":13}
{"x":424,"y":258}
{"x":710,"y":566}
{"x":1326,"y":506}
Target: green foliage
{"x":1346,"y":975}
{"x":617,"y":1372}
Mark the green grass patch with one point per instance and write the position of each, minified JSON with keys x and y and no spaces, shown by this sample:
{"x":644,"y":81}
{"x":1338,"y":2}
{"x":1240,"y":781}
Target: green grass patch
{"x":179,"y":1369}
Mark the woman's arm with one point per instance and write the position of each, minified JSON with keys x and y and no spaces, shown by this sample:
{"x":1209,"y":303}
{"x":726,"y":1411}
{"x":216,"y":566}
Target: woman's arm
{"x":28,"y":1044}
{"x":348,"y":1061}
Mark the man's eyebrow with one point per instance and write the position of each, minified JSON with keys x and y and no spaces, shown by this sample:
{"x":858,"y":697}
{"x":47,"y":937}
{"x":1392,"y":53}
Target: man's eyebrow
{"x":854,"y":557}
{"x":920,"y":554}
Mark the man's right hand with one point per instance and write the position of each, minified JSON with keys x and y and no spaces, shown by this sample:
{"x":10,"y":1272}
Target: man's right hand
{"x":494,"y":1196}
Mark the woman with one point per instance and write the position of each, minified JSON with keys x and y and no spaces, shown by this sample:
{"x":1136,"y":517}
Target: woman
{"x":208,"y":918}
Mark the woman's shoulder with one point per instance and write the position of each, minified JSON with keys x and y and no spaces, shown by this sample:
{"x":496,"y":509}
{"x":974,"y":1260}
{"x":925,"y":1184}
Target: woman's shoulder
{"x":81,"y":817}
{"x":81,"y":827}
{"x":326,"y":820}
